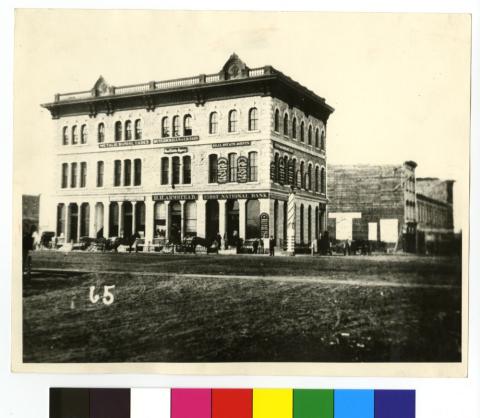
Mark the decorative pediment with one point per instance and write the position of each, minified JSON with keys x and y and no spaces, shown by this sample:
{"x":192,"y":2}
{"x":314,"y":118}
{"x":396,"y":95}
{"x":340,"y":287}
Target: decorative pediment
{"x":101,"y":87}
{"x":234,"y":68}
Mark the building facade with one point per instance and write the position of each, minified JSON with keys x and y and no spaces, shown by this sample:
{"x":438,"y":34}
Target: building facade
{"x":388,"y":206}
{"x":196,"y":156}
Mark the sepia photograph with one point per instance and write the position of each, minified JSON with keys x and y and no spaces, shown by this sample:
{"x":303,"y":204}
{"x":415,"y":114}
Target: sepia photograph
{"x":248,"y":190}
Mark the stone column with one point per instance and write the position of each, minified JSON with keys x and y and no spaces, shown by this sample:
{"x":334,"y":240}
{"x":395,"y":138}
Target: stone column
{"x":242,"y":215}
{"x":79,"y":220}
{"x":106,"y":219}
{"x":134,"y":216}
{"x":121,"y":219}
{"x":167,"y":219}
{"x":201,"y":217}
{"x":280,"y":231}
{"x":149,"y":213}
{"x":182,"y":219}
{"x":92,"y":220}
{"x":222,"y":217}
{"x":66,"y":232}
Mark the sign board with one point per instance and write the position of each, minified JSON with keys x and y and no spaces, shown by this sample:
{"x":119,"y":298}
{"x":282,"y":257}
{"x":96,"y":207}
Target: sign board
{"x":281,"y":147}
{"x":231,"y":144}
{"x":242,"y":169}
{"x":264,"y":224}
{"x":184,"y":196}
{"x":175,"y":150}
{"x":216,"y":196}
{"x":222,"y":170}
{"x":120,"y":144}
{"x":176,"y":139}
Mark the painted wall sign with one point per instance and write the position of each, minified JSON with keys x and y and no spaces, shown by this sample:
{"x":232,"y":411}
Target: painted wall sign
{"x":124,"y":143}
{"x":264,"y":225}
{"x":127,"y":198}
{"x":281,"y":147}
{"x":216,"y":196}
{"x":222,"y":170}
{"x":175,"y":150}
{"x":242,"y":169}
{"x":176,"y":139}
{"x":184,"y":196}
{"x":232,"y":144}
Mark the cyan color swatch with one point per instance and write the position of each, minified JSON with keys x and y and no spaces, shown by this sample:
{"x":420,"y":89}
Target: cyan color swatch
{"x":349,"y":403}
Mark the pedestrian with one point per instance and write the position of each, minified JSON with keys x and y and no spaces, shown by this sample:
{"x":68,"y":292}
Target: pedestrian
{"x":255,"y":247}
{"x":272,"y":246}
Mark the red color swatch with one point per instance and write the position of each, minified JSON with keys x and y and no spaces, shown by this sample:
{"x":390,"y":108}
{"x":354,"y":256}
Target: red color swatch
{"x":232,"y":403}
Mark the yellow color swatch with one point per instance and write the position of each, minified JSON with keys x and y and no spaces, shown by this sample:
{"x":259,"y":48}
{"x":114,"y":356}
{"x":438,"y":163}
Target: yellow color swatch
{"x":272,"y":403}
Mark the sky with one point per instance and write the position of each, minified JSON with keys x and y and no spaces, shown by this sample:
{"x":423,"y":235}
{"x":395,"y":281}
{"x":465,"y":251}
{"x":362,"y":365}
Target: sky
{"x":399,"y":83}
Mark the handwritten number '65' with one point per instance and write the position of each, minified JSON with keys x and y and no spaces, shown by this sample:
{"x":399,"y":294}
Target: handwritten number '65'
{"x":107,"y":297}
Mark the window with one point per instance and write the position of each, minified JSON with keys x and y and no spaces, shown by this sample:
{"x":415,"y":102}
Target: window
{"x":232,"y":167}
{"x":187,"y":125}
{"x":165,"y":131}
{"x":175,"y":170}
{"x":277,"y":168}
{"x":65,"y":135}
{"x":323,"y":180}
{"x":187,"y":169}
{"x":322,"y":142}
{"x":317,"y":139}
{"x":253,"y":119}
{"x":317,"y":180}
{"x":176,"y":126}
{"x":309,"y":177}
{"x":75,"y":134}
{"x":101,"y":132}
{"x":164,"y":171}
{"x":212,"y":168}
{"x":100,"y":170}
{"x":294,"y":128}
{"x":118,"y":131}
{"x":128,"y":130}
{"x":127,"y":172}
{"x":232,"y":121}
{"x":138,"y":129}
{"x":276,"y":122}
{"x":83,"y":174}
{"x":83,"y":134}
{"x":302,"y":132}
{"x":285,"y":172}
{"x":301,"y":224}
{"x":64,"y":175}
{"x":285,"y":124}
{"x":73,"y":175}
{"x":252,"y":166}
{"x":213,"y":123}
{"x":302,"y":175}
{"x":117,"y":173}
{"x":309,"y":135}
{"x":137,"y":172}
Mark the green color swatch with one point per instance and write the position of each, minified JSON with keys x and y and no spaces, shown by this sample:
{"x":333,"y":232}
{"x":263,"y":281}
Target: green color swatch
{"x":312,"y":403}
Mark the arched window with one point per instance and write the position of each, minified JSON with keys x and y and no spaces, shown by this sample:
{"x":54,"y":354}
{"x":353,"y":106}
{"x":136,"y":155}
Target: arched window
{"x":64,"y":175}
{"x":309,"y":135}
{"x":323,"y":180}
{"x":175,"y":170}
{"x":138,"y":129}
{"x":232,"y":121}
{"x":309,"y":177}
{"x":165,"y":130}
{"x":74,"y":134}
{"x":317,"y":138}
{"x":252,"y":166}
{"x":100,"y":171}
{"x":276,"y":125}
{"x":187,"y":125}
{"x":83,"y":134}
{"x":118,"y":131}
{"x":137,"y":172}
{"x":213,"y":123}
{"x":302,"y":175}
{"x":317,"y":180}
{"x":127,"y":172}
{"x":212,"y":168}
{"x":187,"y":169}
{"x":176,"y":126}
{"x":101,"y":132}
{"x":117,"y":172}
{"x":128,"y":130}
{"x":65,"y":135}
{"x":285,"y":124}
{"x":164,"y":170}
{"x":302,"y":132}
{"x":232,"y":167}
{"x":294,"y":128}
{"x":253,"y":119}
{"x":322,"y":142}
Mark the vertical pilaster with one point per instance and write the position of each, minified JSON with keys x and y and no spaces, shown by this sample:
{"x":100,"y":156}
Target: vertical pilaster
{"x":121,"y":220}
{"x":79,"y":220}
{"x":201,"y":217}
{"x":92,"y":219}
{"x":66,"y":232}
{"x":106,"y":219}
{"x":242,"y":214}
{"x":167,"y":220}
{"x":222,"y":217}
{"x":134,"y":217}
{"x":182,"y":219}
{"x":149,"y":213}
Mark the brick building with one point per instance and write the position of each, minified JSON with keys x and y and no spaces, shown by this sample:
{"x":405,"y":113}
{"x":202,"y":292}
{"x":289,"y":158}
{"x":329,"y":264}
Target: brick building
{"x":389,"y":207}
{"x":193,"y":156}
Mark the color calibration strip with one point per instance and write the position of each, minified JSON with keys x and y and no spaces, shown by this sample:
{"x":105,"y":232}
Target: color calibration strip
{"x":231,"y":403}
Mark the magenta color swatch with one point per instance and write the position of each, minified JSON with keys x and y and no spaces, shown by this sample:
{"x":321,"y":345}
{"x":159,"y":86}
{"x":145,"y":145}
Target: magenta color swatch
{"x":191,"y":403}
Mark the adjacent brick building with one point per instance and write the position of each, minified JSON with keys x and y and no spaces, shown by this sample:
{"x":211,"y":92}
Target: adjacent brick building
{"x":197,"y":156}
